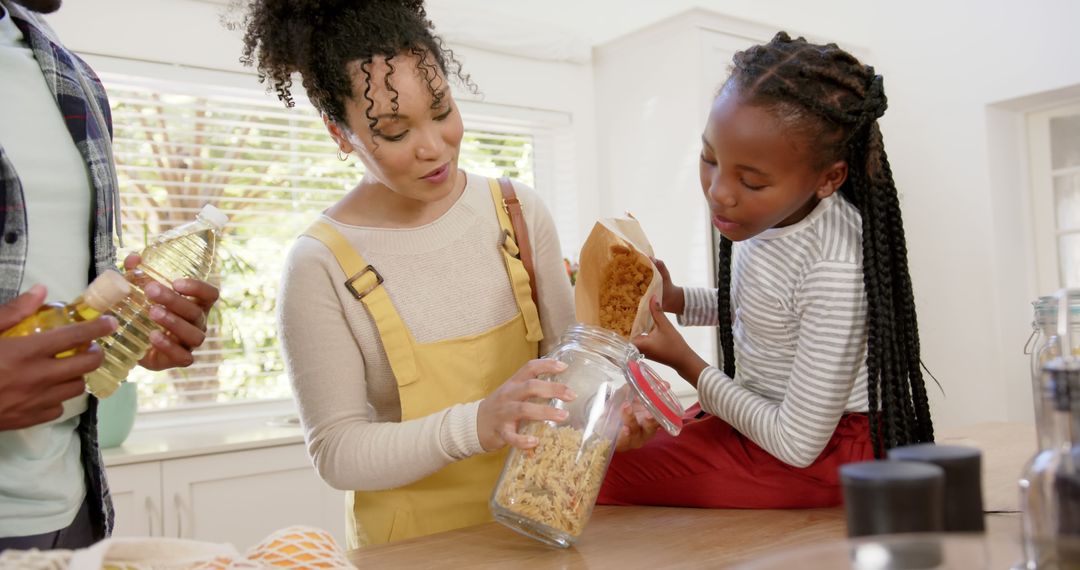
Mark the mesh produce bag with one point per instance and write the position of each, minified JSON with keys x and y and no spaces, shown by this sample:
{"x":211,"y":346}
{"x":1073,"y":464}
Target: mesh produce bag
{"x":296,"y":547}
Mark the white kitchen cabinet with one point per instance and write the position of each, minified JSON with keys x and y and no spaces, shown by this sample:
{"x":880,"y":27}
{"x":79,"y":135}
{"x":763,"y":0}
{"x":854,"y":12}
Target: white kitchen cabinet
{"x":244,"y":496}
{"x":238,"y":497}
{"x":136,"y":494}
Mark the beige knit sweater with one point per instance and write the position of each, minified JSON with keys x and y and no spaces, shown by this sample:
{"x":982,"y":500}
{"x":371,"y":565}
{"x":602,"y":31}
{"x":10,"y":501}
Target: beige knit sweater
{"x":447,"y":279}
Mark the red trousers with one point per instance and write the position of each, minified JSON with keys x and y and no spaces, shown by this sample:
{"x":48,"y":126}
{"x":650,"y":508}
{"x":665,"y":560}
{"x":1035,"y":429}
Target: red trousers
{"x":711,"y":465}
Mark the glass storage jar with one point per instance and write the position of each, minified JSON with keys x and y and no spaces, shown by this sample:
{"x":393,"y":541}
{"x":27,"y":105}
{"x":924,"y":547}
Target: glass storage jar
{"x":1050,"y":484}
{"x":548,"y":492}
{"x":1043,"y":346}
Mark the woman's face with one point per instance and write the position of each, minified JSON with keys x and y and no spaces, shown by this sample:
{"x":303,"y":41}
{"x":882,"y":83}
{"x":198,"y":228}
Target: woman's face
{"x":413,"y":151}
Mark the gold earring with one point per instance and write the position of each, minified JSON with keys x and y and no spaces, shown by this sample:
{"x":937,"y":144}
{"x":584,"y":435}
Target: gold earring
{"x":342,"y":155}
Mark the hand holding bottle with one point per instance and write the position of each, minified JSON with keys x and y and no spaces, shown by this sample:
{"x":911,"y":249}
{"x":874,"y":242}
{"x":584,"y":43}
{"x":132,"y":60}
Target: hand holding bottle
{"x":181,"y":312}
{"x":154,"y":319}
{"x":34,"y":383}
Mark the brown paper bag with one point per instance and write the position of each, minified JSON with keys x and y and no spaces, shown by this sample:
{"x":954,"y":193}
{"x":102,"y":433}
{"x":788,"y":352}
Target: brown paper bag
{"x":597,"y":254}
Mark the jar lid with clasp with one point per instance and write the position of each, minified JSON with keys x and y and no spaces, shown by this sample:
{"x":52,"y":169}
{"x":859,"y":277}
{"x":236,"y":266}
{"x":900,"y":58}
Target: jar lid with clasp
{"x":1046,"y":310}
{"x":656,"y":395}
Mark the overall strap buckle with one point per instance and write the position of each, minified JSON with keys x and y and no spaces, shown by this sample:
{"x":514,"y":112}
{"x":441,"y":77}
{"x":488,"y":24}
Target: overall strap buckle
{"x":350,"y":282}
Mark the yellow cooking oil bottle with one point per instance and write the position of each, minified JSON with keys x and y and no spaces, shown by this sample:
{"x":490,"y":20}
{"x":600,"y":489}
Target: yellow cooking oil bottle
{"x":100,"y":296}
{"x":187,"y":251}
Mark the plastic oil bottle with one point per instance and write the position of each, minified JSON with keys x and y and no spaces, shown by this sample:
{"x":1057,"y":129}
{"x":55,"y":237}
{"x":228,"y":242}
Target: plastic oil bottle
{"x":100,"y":296}
{"x":187,"y":251}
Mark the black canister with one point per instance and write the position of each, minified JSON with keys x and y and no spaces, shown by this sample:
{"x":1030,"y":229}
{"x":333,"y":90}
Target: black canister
{"x":887,"y":497}
{"x":963,"y":481}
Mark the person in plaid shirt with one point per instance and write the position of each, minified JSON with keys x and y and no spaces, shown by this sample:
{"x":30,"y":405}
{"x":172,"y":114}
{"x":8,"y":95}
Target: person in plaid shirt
{"x":58,"y":220}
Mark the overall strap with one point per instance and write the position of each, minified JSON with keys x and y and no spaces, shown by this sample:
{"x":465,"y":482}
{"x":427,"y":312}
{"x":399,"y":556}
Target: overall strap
{"x":512,"y":206}
{"x":517,"y":253}
{"x":365,"y":284}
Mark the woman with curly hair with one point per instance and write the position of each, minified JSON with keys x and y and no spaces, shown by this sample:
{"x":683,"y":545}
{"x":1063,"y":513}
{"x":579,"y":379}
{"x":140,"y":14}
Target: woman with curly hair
{"x":407,"y":319}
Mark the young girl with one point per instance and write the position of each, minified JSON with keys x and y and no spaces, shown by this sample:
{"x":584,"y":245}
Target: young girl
{"x":407,"y":322}
{"x":814,"y":302}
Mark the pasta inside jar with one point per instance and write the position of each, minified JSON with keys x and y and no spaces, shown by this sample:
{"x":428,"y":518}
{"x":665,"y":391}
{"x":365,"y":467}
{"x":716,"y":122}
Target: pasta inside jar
{"x":547,"y":492}
{"x":556,"y":483}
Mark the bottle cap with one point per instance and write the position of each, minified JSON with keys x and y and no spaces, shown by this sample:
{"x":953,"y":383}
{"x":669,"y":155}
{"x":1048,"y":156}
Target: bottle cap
{"x":107,"y":290}
{"x":213,"y":216}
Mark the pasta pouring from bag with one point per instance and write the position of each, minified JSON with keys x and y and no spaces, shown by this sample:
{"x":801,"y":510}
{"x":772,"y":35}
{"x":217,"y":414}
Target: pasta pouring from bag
{"x":617,"y":278}
{"x":626,"y":279}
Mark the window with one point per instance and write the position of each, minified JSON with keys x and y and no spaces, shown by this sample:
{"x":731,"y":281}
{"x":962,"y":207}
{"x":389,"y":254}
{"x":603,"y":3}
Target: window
{"x":181,"y":145}
{"x":1054,"y":139}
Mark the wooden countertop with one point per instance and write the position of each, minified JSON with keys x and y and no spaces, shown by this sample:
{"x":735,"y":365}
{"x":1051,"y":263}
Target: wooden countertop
{"x":660,"y":537}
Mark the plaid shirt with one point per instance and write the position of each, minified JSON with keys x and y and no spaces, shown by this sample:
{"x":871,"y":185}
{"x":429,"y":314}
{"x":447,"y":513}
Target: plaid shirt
{"x":81,"y":98}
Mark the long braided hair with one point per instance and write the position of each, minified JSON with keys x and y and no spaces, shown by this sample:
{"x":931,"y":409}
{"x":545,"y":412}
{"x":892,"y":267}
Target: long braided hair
{"x":826,"y":92}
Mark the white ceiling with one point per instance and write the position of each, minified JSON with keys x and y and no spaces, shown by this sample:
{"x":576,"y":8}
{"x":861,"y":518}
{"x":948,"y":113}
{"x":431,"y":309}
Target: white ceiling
{"x":578,"y":25}
{"x":591,"y":21}
{"x":569,"y":29}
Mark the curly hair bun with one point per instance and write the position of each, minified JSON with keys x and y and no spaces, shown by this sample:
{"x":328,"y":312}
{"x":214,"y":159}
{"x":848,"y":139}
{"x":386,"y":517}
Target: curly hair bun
{"x":321,"y":39}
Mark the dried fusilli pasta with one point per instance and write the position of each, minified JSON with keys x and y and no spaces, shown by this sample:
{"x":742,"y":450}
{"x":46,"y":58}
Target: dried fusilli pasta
{"x":556,"y":482}
{"x":626,"y":278}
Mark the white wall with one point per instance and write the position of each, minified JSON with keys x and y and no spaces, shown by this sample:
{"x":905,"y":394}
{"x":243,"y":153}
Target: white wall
{"x":946,"y":68}
{"x":969,"y":239}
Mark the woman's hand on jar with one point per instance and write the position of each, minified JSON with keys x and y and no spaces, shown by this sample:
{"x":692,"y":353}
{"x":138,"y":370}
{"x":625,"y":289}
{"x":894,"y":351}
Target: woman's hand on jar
{"x":514,"y":402}
{"x":674,"y":299}
{"x":639,"y":426}
{"x":665,"y":345}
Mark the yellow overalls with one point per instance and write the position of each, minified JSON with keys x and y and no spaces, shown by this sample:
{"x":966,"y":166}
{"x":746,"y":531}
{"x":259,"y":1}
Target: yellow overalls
{"x":433,"y":377}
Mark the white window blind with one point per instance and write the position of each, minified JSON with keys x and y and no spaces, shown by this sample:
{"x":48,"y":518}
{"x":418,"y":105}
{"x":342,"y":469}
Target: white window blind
{"x":179,"y":146}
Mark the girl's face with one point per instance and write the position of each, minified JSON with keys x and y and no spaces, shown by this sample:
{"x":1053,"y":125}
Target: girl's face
{"x":414,"y":152}
{"x":758,"y":173}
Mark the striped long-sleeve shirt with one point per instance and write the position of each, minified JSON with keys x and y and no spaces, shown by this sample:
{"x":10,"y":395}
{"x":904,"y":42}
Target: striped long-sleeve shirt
{"x":799,"y":322}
